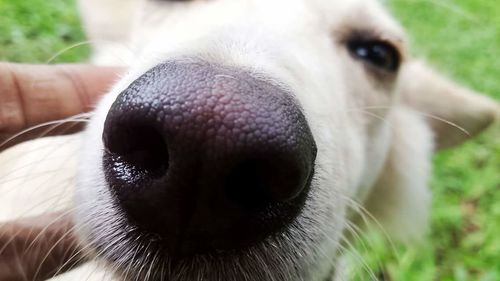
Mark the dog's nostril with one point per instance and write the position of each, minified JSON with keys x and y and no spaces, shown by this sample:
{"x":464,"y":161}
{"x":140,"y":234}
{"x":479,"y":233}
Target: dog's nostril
{"x":136,"y":152}
{"x":256,"y":183}
{"x":248,"y":186}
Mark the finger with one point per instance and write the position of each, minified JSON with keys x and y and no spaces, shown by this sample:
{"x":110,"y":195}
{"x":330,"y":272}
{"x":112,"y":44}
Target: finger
{"x":35,"y":94}
{"x":39,"y":247}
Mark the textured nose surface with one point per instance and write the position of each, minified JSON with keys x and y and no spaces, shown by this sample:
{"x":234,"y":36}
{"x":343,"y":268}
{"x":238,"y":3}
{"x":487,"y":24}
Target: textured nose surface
{"x":206,"y":157}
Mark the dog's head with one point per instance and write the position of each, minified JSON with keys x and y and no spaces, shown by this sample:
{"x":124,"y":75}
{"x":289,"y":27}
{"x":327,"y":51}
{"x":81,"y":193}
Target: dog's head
{"x":238,"y":140}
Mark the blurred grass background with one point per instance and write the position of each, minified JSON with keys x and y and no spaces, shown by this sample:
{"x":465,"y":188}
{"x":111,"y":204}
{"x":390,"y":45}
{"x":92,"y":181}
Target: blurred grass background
{"x":460,"y":37}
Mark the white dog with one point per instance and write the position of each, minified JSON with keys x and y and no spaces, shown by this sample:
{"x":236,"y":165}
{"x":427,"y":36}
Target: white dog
{"x":245,"y":135}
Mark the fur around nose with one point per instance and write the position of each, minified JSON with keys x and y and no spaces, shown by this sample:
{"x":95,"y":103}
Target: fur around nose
{"x":206,"y":157}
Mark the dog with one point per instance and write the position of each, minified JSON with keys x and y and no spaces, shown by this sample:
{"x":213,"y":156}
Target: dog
{"x":246,"y":136}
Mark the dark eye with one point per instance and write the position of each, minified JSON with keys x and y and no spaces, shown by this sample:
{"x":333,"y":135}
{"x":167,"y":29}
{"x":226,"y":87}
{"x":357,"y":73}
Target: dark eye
{"x":377,"y":53}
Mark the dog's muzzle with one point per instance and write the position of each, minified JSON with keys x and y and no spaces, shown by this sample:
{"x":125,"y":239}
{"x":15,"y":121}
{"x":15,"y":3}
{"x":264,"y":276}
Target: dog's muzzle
{"x":206,"y":158}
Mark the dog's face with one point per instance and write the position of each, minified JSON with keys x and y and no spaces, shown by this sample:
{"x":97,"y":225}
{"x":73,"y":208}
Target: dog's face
{"x":239,"y":138}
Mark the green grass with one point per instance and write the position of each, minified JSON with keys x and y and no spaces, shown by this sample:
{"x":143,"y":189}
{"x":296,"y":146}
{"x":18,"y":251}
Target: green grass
{"x":460,"y":37}
{"x":37,"y":30}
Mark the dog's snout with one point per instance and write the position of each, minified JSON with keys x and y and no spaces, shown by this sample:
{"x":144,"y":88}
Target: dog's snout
{"x":207,"y":158}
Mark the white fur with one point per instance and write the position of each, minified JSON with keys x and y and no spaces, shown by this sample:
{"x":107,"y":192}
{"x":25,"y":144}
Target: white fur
{"x":400,"y":197}
{"x":298,"y":49}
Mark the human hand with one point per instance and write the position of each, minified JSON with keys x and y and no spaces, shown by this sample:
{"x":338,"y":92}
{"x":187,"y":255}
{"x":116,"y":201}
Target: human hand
{"x":32,"y":100}
{"x":39,"y":247}
{"x":34,"y":97}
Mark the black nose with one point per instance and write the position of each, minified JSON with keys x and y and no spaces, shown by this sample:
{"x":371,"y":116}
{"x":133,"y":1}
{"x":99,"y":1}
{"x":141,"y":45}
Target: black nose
{"x":207,"y":158}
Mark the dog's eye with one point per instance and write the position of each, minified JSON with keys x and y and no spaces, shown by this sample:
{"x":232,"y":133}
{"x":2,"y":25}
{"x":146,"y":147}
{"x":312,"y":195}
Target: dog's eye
{"x":377,"y":53}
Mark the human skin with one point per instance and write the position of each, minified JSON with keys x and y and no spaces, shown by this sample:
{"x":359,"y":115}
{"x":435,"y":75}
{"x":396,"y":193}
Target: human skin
{"x":37,"y":96}
{"x":31,"y":95}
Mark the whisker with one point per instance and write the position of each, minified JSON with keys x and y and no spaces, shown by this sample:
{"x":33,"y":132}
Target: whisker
{"x":40,"y":248}
{"x":456,"y":9}
{"x":348,"y":249}
{"x":141,"y":263}
{"x":43,"y":157}
{"x":381,"y":118}
{"x":80,"y":260}
{"x":90,"y":42}
{"x":361,"y":239}
{"x":55,"y":220}
{"x":363,"y":212}
{"x":352,"y":250}
{"x":425,"y":114}
{"x":53,"y":125}
{"x":32,"y":176}
{"x":64,"y":50}
{"x":15,"y":234}
{"x":445,"y":121}
{"x":129,"y":264}
{"x":152,"y":265}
